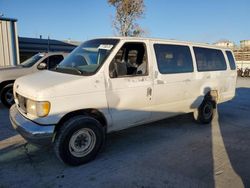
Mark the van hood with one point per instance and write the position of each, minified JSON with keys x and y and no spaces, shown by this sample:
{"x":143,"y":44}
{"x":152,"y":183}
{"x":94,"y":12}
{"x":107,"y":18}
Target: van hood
{"x":44,"y":85}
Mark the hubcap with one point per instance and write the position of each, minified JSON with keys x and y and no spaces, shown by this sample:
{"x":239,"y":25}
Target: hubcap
{"x":82,"y":142}
{"x":9,"y":98}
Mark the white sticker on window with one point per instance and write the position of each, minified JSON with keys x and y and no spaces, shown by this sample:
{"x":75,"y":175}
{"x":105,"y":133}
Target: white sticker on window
{"x":41,"y":55}
{"x":105,"y":46}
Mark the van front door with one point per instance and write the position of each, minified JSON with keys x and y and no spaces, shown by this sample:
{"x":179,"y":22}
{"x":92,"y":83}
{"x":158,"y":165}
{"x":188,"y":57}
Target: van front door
{"x":129,"y":87}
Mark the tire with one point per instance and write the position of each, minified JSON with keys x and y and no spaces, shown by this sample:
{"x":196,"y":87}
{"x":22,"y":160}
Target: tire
{"x":79,"y":140}
{"x":7,"y":96}
{"x":205,"y":113}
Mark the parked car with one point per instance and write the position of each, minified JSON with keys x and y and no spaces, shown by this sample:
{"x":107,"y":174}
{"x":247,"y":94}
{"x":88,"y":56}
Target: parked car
{"x":110,"y":84}
{"x":37,"y":62}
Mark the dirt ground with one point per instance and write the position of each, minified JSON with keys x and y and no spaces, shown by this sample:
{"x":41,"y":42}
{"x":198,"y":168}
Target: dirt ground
{"x":174,"y":152}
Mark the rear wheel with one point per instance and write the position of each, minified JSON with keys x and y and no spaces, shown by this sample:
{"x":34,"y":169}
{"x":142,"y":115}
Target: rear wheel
{"x":7,"y":96}
{"x":79,"y":140}
{"x":205,"y":113}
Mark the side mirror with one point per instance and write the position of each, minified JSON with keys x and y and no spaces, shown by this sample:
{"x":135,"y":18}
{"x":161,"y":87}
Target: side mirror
{"x":42,"y":66}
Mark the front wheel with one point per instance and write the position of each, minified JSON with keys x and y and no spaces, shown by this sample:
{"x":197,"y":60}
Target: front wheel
{"x":79,"y":140}
{"x":7,"y":96}
{"x":205,"y":113}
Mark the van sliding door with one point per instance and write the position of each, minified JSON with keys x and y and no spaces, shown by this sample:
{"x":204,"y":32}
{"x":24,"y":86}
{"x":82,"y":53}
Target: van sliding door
{"x":173,"y":80}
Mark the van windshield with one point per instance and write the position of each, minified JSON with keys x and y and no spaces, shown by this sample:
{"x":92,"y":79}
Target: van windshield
{"x":31,"y":61}
{"x":87,"y":58}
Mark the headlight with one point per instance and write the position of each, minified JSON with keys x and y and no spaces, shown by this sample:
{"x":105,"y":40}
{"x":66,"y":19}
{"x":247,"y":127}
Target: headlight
{"x":39,"y":109}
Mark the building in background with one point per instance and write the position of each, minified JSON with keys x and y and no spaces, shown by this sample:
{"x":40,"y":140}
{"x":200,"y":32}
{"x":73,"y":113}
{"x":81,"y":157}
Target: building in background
{"x":242,"y":54}
{"x":14,"y":50}
{"x":31,"y":46}
{"x":9,"y":50}
{"x":245,"y":44}
{"x":225,"y":43}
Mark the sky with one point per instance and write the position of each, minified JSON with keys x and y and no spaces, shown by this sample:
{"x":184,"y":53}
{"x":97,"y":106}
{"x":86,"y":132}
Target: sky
{"x":190,"y":20}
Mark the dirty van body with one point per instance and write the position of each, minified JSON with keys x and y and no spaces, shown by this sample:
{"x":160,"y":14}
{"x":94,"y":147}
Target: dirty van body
{"x":8,"y":75}
{"x":110,"y":84}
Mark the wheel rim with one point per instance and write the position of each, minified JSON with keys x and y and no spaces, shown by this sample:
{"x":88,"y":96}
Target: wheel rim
{"x":9,"y":98}
{"x":82,"y":142}
{"x":208,"y":111}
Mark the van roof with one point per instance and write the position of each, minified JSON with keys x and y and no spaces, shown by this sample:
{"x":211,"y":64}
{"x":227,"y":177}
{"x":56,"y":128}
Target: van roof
{"x":168,"y":41}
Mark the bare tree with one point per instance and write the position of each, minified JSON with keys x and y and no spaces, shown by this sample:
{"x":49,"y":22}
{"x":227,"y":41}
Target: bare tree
{"x":127,"y":12}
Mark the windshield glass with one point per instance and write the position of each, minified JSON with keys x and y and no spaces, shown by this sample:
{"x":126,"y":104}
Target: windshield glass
{"x":88,"y":57}
{"x":31,"y":61}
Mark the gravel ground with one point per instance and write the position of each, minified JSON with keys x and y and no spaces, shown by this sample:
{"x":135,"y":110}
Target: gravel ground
{"x":174,"y":152}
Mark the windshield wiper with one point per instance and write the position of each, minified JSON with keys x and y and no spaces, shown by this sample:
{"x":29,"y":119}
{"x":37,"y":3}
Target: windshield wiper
{"x":77,"y":70}
{"x":69,"y":68}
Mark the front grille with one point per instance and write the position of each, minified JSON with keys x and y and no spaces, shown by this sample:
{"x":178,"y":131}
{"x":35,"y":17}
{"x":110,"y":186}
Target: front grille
{"x":21,"y":103}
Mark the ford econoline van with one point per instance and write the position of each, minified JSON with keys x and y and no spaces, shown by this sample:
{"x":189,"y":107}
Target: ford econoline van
{"x":109,"y":84}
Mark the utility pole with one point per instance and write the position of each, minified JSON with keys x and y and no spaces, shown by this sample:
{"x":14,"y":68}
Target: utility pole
{"x":48,"y":52}
{"x":48,"y":49}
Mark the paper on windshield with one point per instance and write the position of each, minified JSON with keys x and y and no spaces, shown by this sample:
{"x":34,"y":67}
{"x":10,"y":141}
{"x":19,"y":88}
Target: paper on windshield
{"x":105,"y":47}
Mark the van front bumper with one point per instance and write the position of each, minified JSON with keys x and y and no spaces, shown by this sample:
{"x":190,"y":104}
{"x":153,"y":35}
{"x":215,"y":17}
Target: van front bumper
{"x":30,"y":131}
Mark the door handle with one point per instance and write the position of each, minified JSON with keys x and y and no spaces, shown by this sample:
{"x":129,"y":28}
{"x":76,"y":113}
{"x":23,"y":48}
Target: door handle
{"x":149,"y":91}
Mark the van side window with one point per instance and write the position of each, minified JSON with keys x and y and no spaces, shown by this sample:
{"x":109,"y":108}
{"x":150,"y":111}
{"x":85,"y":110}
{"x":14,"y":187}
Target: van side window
{"x":131,"y":60}
{"x":173,"y":58}
{"x":209,"y":59}
{"x":231,"y":60}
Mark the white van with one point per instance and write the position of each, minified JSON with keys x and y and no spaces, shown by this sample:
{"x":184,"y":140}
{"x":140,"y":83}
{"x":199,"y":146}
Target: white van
{"x":110,"y":84}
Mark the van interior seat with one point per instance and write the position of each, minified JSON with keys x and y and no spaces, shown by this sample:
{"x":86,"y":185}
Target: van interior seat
{"x":120,"y":68}
{"x":142,"y":68}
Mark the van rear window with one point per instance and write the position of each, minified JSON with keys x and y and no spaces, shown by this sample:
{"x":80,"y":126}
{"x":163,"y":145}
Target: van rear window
{"x":209,"y":59}
{"x":231,"y":60}
{"x":173,"y":58}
